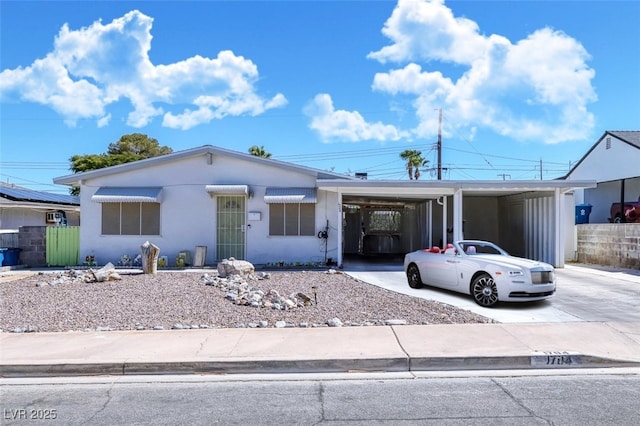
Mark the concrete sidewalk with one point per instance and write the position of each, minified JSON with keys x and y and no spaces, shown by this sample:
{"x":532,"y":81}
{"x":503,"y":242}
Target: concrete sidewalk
{"x":346,"y":349}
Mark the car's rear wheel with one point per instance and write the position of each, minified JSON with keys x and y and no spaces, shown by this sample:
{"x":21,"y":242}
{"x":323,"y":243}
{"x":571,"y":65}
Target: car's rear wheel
{"x":413,"y":277}
{"x":484,"y":290}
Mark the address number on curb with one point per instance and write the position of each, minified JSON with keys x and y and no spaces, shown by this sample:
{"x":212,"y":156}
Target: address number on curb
{"x":556,"y":359}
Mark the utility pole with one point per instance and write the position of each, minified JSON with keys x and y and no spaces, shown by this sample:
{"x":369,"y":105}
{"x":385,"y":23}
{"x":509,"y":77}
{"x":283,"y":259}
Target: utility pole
{"x":541,"y":169}
{"x":439,"y":143}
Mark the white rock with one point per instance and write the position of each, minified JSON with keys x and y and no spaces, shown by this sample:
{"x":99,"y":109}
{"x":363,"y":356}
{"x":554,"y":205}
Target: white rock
{"x":334,"y":322}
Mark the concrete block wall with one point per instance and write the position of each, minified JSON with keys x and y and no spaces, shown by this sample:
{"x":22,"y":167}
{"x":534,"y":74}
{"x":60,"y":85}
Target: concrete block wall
{"x":32,"y":241}
{"x":616,"y":245}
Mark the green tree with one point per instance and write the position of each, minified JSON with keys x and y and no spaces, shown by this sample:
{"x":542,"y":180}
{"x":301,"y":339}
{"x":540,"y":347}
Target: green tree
{"x":132,"y":147}
{"x":414,"y":161}
{"x":259,"y":151}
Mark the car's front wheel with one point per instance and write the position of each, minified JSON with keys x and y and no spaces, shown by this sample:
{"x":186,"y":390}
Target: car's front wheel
{"x":484,"y":290}
{"x":413,"y":277}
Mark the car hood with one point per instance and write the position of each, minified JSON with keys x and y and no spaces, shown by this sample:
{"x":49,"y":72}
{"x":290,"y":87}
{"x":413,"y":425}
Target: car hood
{"x":511,"y":261}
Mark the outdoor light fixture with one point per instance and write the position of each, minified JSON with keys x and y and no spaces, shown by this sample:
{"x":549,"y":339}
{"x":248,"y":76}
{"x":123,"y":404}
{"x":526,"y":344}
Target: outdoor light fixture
{"x":315,"y":294}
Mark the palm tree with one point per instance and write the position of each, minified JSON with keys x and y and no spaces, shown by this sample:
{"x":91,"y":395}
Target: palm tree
{"x":414,"y":161}
{"x":259,"y":151}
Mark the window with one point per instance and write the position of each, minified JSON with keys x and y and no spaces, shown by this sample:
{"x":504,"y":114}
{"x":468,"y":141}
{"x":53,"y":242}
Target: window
{"x":130,"y":218}
{"x":292,"y":219}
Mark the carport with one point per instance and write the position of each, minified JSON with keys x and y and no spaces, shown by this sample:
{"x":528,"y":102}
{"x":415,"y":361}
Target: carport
{"x":389,"y":218}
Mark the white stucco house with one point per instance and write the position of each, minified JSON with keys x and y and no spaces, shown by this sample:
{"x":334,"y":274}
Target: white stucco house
{"x":268,"y":211}
{"x":614,"y":163}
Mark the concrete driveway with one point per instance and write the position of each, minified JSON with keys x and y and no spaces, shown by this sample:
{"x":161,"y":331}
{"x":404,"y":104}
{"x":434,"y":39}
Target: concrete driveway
{"x":584,"y":294}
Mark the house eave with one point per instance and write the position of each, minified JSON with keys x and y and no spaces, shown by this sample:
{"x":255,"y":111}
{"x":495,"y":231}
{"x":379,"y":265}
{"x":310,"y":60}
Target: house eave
{"x":75,"y":179}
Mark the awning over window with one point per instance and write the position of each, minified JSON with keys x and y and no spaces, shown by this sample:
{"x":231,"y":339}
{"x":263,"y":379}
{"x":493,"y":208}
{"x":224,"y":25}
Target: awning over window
{"x":290,"y":195}
{"x":127,"y":195}
{"x":228,"y":189}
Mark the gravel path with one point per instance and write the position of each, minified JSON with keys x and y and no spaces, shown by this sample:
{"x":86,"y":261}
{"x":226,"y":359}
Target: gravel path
{"x":55,"y":302}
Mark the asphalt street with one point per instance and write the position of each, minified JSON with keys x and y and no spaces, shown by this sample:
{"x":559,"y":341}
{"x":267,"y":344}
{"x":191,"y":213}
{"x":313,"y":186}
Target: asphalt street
{"x":578,"y":398}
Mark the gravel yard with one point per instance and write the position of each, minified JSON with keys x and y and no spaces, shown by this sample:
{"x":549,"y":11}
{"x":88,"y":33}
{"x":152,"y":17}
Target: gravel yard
{"x":181,"y":299}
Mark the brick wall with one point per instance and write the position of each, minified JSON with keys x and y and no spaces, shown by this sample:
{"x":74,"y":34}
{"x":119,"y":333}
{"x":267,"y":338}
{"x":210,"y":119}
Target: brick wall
{"x":616,"y":245}
{"x":32,"y":241}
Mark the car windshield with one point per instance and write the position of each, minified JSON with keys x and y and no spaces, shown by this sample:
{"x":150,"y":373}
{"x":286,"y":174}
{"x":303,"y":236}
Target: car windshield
{"x":476,"y":247}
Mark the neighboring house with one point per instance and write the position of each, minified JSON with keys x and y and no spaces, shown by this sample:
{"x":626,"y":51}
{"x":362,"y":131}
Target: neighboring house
{"x":25,"y":207}
{"x":614,"y":163}
{"x":268,"y":211}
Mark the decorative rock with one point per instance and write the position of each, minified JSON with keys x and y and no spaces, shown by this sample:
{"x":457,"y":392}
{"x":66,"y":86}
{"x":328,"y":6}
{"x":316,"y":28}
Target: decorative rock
{"x":106,"y":273}
{"x":158,"y":327}
{"x":177,"y":326}
{"x":281,"y":324}
{"x":150,"y":253}
{"x":263,"y":324}
{"x":334,"y":322}
{"x":232,"y":266}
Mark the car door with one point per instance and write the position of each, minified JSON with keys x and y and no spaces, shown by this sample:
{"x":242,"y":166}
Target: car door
{"x":443,"y":270}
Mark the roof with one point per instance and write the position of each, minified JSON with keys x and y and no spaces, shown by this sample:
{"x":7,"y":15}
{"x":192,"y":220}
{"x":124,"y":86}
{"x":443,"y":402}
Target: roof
{"x":434,"y":189}
{"x":74,"y":179}
{"x":631,"y":137}
{"x":17,"y":193}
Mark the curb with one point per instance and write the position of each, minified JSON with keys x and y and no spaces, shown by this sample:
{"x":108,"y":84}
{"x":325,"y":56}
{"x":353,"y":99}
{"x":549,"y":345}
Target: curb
{"x":524,"y":362}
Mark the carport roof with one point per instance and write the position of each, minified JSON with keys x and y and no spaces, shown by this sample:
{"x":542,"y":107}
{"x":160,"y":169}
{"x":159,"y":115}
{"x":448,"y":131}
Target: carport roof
{"x":433,"y":189}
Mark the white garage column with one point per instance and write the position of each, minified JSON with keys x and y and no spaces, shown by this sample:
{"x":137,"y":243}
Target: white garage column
{"x":558,"y":199}
{"x":458,"y":234}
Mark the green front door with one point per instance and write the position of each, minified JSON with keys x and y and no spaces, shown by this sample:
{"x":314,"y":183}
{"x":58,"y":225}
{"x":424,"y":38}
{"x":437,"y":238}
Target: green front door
{"x":230,"y":227}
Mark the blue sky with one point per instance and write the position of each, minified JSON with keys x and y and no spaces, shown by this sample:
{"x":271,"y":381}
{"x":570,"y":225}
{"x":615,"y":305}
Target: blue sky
{"x":335,"y":85}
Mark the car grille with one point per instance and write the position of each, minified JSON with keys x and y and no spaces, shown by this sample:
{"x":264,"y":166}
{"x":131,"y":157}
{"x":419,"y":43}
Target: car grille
{"x":541,"y":277}
{"x":525,"y":294}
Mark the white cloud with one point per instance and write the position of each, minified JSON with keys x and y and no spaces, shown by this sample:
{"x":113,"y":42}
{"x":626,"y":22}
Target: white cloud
{"x":93,"y":67}
{"x":348,"y":126}
{"x":535,"y":89}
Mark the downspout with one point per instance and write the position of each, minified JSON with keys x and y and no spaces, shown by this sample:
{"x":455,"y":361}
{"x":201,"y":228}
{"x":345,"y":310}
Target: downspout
{"x":443,"y":202}
{"x":623,"y":217}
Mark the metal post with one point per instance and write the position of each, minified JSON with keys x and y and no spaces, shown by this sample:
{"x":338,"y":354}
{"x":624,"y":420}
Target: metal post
{"x":439,"y":143}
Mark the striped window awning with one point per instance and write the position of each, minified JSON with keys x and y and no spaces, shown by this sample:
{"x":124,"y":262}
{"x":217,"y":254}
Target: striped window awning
{"x":127,"y":195}
{"x":228,"y":189}
{"x":290,"y":195}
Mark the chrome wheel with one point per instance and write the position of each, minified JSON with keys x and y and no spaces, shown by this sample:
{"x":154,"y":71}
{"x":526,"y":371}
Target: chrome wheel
{"x":413,"y":277}
{"x":484,"y":291}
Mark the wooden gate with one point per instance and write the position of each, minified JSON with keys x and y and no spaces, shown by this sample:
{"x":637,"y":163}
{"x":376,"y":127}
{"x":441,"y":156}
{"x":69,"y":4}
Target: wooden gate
{"x":63,"y":245}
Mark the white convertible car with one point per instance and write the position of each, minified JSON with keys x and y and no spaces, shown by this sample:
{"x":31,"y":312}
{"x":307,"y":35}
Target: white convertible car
{"x":482,"y":269}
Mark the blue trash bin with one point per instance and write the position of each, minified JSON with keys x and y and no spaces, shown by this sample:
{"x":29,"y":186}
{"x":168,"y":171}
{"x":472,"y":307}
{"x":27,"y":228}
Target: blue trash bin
{"x":582,"y":213}
{"x":11,"y":256}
